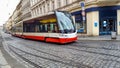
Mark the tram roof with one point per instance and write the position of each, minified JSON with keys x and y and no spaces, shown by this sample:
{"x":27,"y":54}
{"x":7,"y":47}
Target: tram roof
{"x":45,"y":16}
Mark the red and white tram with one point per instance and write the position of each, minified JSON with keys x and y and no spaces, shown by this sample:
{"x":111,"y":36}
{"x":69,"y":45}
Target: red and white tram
{"x":57,"y":27}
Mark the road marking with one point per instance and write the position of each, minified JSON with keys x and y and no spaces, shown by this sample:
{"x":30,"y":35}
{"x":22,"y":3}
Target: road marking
{"x":3,"y":62}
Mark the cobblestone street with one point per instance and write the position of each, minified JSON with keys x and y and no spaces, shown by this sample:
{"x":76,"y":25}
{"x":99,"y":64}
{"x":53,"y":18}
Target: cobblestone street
{"x":60,"y":34}
{"x":80,"y":54}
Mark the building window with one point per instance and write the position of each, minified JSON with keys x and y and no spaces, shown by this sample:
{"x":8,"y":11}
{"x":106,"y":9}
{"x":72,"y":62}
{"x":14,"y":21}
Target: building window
{"x":33,"y":2}
{"x":66,"y":2}
{"x":48,"y":6}
{"x":38,"y":12}
{"x":44,"y":9}
{"x":53,"y":7}
{"x":33,"y":12}
{"x":41,"y":10}
{"x":81,"y":26}
{"x":59,"y":3}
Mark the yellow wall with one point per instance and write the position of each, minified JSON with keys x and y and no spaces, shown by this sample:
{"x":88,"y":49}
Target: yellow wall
{"x":93,"y":17}
{"x":118,"y":20}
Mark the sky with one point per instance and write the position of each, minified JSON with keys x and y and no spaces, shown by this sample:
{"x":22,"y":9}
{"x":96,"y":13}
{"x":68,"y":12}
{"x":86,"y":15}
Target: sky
{"x":6,"y":9}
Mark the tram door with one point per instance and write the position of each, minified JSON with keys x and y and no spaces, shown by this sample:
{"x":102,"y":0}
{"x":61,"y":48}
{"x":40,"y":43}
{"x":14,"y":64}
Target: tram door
{"x":107,"y":25}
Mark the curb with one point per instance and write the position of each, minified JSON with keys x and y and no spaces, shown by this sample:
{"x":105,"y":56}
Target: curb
{"x":91,"y":39}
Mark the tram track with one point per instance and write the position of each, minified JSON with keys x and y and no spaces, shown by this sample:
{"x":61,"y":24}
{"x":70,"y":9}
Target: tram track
{"x":43,"y":47}
{"x":83,"y":45}
{"x":74,"y":64}
{"x":90,"y":46}
{"x":92,"y":51}
{"x":87,"y":52}
{"x":86,"y":49}
{"x":27,"y":60}
{"x":96,"y":53}
{"x":77,"y":47}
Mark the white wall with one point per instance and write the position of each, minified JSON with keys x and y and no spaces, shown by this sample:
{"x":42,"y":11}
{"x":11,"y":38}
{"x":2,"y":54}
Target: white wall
{"x":92,"y":18}
{"x":118,"y":22}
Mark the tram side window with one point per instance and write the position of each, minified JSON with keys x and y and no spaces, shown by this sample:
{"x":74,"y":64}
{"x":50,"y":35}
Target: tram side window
{"x":53,"y":28}
{"x":37,"y":28}
{"x":49,"y":27}
{"x":29,"y":27}
{"x":43,"y":28}
{"x":46,"y":26}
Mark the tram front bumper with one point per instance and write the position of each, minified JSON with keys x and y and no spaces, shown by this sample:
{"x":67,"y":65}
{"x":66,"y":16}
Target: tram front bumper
{"x":67,"y":40}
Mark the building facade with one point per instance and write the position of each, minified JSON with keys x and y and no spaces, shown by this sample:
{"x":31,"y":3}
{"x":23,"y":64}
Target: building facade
{"x":99,"y":17}
{"x":41,"y":7}
{"x":102,"y":17}
{"x":7,"y":26}
{"x":25,"y":9}
{"x":21,"y":13}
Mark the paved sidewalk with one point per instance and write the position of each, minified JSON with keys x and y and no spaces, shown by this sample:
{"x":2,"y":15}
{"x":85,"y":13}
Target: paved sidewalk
{"x":104,"y":37}
{"x":7,"y":61}
{"x":3,"y":62}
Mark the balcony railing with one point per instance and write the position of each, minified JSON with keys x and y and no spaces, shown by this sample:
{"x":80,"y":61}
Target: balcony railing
{"x":100,"y":1}
{"x":27,"y":10}
{"x":25,"y":2}
{"x":107,"y":0}
{"x":27,"y":15}
{"x":88,"y":1}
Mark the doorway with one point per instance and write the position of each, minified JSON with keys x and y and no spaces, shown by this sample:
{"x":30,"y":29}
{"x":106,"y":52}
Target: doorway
{"x":107,"y":25}
{"x":108,"y":21}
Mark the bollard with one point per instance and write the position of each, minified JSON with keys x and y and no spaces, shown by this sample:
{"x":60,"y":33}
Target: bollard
{"x":113,"y":35}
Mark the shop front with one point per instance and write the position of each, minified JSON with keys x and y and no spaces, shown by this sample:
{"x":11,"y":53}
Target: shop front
{"x":80,"y":24}
{"x":107,"y":20}
{"x":99,"y":20}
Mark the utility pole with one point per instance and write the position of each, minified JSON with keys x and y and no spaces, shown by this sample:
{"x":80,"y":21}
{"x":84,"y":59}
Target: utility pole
{"x":82,"y":4}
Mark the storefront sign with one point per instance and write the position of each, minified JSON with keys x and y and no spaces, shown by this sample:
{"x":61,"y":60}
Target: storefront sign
{"x":95,"y":24}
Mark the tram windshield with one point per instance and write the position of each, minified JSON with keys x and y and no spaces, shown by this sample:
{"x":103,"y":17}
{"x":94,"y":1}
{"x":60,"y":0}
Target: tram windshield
{"x":65,"y":22}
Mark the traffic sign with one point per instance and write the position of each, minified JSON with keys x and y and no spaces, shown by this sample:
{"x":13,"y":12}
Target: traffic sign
{"x":82,"y":4}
